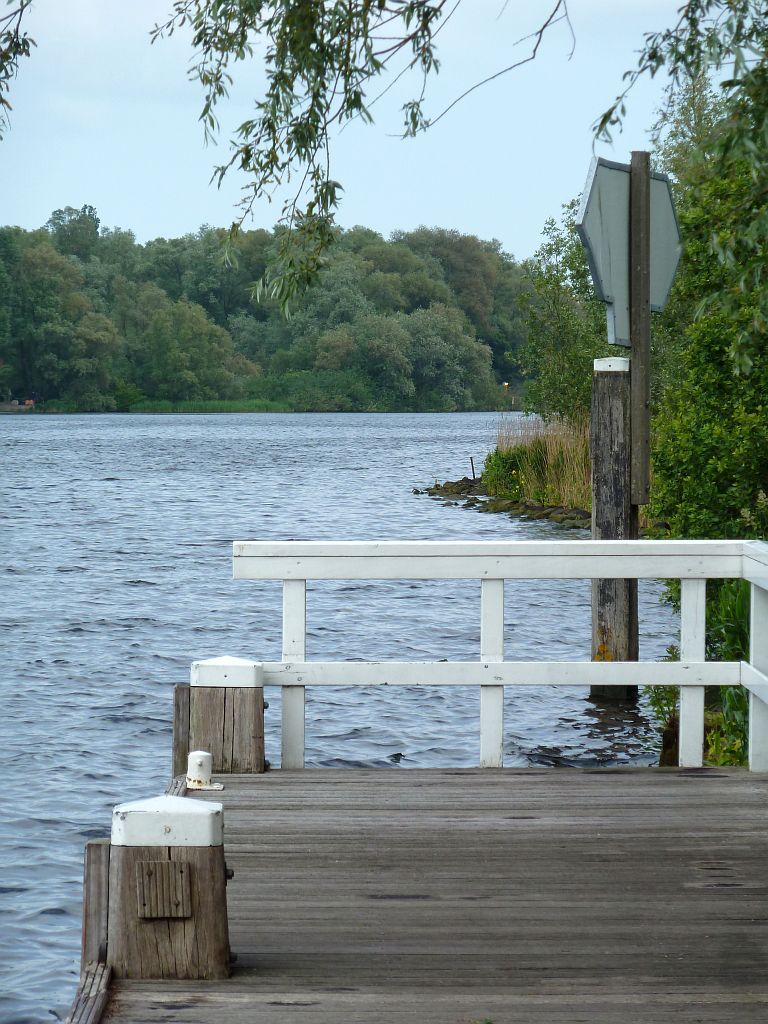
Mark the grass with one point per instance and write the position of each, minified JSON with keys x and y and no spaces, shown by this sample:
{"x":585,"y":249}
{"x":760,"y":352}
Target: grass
{"x":216,"y":405}
{"x":541,"y":460}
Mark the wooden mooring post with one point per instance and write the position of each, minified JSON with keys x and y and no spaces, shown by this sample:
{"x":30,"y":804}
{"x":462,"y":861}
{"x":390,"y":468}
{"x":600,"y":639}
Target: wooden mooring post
{"x":222,"y":711}
{"x":167,"y":890}
{"x":614,"y":517}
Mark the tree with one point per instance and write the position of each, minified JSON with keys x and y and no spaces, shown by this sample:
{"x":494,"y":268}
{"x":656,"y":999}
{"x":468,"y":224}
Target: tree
{"x":185,"y":356}
{"x":564,"y":324}
{"x":710,"y":451}
{"x":75,"y":232}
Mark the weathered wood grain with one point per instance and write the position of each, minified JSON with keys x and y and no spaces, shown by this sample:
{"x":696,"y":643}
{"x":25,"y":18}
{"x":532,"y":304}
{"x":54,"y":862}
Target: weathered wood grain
{"x":194,"y":947}
{"x":248,"y":729}
{"x":640,"y":322}
{"x":206,"y":722}
{"x":614,"y":601}
{"x":92,"y":995}
{"x":181,"y":747}
{"x":228,"y":722}
{"x":521,"y":896}
{"x":95,"y":902}
{"x":163,"y":889}
{"x":177,"y":786}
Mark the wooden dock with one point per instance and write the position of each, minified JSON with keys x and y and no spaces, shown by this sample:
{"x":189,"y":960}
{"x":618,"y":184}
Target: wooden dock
{"x":450,"y":897}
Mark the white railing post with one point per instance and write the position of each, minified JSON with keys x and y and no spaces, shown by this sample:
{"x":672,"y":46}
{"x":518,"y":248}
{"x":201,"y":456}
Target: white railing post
{"x":758,"y":658}
{"x":294,"y":649}
{"x":693,"y":612}
{"x":491,"y":697}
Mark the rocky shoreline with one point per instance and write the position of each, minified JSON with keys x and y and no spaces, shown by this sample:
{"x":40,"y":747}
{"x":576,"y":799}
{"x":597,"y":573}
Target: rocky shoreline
{"x":471,"y":493}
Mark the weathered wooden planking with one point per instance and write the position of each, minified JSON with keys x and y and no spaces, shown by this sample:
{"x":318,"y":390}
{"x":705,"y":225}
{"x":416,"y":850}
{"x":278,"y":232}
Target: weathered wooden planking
{"x":521,"y":896}
{"x":92,"y":995}
{"x":177,"y":786}
{"x":95,"y":902}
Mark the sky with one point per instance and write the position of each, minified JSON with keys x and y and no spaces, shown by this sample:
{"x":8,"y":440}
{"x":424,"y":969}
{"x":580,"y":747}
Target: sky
{"x":102,"y":117}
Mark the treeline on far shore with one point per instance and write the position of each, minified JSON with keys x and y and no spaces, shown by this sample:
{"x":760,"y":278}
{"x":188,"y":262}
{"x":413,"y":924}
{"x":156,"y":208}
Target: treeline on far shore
{"x":92,"y":321}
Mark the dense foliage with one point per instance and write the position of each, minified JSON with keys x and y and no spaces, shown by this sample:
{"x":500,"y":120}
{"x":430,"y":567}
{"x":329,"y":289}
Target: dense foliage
{"x":90,"y":320}
{"x":564,"y":325}
{"x":710,"y":410}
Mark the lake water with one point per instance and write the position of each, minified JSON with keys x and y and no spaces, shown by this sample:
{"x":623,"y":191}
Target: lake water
{"x":116,"y":536}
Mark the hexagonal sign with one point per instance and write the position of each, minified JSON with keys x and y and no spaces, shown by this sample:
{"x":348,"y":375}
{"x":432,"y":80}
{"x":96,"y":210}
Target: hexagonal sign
{"x":603,"y":226}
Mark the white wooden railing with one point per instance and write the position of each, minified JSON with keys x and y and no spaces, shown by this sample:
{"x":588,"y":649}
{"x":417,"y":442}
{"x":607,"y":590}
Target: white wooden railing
{"x":692,"y":562}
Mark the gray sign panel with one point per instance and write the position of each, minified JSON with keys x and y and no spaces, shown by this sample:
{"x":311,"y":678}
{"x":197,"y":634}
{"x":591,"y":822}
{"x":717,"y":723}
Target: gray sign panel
{"x":603,"y":226}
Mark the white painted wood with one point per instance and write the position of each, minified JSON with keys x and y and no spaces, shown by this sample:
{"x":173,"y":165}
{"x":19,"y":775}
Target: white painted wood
{"x":518,"y":565}
{"x":693,"y":609}
{"x":508,"y":673}
{"x":294,"y":649}
{"x":487,"y":559}
{"x":488,"y":548}
{"x":168,"y":821}
{"x":226,"y":671}
{"x":611,"y":365}
{"x":691,"y":744}
{"x":754,"y":680}
{"x":758,"y":657}
{"x":492,"y":650}
{"x":755,"y":568}
{"x":757,"y":550}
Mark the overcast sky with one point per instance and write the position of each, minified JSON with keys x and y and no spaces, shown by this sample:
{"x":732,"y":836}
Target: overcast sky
{"x":102,"y":117}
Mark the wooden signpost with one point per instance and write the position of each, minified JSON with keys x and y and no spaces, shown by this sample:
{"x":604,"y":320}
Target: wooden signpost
{"x":629,"y":230}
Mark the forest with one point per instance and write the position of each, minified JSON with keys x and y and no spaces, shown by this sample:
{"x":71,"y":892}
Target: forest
{"x":93,"y":321}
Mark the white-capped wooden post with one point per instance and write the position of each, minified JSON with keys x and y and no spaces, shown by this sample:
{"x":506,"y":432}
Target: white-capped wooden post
{"x":693,"y":614}
{"x":167,"y":890}
{"x":294,"y":649}
{"x":491,"y":697}
{"x":222,"y":712}
{"x":758,"y":657}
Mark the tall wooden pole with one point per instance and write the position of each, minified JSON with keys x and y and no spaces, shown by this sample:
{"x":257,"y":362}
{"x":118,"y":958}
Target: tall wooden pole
{"x":621,"y":442}
{"x":640,"y":322}
{"x":614,"y":602}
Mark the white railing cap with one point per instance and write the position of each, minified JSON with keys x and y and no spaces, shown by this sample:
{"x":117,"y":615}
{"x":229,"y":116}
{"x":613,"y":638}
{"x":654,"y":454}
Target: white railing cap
{"x":168,"y":821}
{"x":226,"y":671}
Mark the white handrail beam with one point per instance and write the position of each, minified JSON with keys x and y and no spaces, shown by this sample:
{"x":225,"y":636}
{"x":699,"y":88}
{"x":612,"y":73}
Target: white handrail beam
{"x":508,"y":673}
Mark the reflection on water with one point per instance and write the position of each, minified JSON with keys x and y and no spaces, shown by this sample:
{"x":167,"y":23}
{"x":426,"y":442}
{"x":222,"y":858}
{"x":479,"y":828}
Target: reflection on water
{"x":117,"y":536}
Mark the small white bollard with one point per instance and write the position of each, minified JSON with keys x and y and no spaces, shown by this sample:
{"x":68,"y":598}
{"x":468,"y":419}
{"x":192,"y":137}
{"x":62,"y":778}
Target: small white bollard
{"x":199,"y":769}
